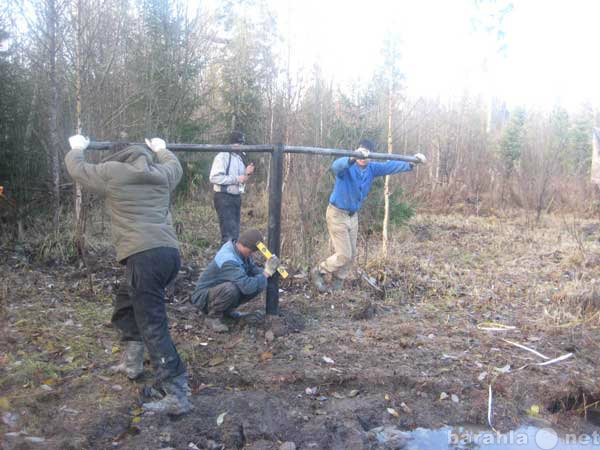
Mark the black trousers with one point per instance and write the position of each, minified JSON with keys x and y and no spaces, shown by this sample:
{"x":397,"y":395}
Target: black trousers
{"x":228,"y":207}
{"x":139,"y":307}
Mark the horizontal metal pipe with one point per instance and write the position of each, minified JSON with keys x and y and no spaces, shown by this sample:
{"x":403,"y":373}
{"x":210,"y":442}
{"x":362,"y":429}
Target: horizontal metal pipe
{"x":194,"y":147}
{"x":266,"y":149}
{"x":338,"y":152}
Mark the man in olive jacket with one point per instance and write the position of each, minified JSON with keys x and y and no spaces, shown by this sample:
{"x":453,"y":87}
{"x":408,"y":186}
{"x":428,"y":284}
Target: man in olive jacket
{"x":137,"y":183}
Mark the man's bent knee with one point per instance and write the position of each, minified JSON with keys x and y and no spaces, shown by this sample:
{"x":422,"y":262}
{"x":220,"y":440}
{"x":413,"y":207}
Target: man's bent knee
{"x":223,"y":297}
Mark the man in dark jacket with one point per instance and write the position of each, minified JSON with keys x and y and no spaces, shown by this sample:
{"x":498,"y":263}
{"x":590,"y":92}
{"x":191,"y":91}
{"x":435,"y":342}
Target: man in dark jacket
{"x":137,"y":183}
{"x":232,"y":279}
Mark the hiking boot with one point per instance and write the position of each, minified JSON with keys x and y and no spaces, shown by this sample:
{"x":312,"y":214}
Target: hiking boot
{"x":337,"y":284}
{"x":132,"y":360}
{"x":216,"y":324}
{"x":246,"y":318}
{"x":317,"y":280}
{"x":175,"y":402}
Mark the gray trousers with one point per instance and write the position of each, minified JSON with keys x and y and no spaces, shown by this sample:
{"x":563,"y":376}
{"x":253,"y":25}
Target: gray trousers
{"x":225,"y":297}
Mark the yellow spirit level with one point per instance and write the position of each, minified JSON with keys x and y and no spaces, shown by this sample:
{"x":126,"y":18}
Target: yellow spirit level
{"x":267,"y":254}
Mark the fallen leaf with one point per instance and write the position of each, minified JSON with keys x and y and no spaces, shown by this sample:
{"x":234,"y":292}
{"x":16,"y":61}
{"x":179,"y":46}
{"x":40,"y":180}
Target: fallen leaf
{"x":136,"y":419}
{"x":454,"y":398}
{"x":482,"y":376}
{"x":405,"y":408}
{"x":221,"y":418}
{"x":443,"y":396}
{"x":216,"y":361}
{"x":137,"y":411}
{"x":266,"y":356}
{"x":115,"y":349}
{"x":386,"y":397}
{"x":393,"y":412}
{"x":534,"y":410}
{"x":4,"y":404}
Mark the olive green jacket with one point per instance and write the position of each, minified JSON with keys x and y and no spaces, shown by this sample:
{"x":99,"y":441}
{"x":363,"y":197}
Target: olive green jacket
{"x":137,"y":193}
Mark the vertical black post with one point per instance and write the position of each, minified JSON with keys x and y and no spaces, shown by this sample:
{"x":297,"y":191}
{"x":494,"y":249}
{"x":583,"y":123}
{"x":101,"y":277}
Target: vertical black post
{"x":275,"y":184}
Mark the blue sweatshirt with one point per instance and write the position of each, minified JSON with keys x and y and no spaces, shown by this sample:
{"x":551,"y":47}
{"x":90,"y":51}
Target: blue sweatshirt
{"x":229,"y":265}
{"x":352,"y":184}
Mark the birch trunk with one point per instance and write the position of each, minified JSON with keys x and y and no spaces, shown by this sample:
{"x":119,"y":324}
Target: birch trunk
{"x":386,"y":186}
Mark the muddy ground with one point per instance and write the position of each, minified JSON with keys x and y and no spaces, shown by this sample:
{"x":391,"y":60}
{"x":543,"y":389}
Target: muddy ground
{"x":407,"y":353}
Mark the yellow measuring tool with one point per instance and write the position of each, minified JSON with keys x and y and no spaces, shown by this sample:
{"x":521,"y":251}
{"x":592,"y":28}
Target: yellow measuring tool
{"x":267,"y":254}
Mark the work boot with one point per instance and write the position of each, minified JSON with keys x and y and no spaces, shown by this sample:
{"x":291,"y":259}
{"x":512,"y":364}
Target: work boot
{"x":175,"y":402}
{"x":246,"y":318}
{"x":216,"y":324}
{"x":337,"y":284}
{"x":132,"y":360}
{"x":317,"y":280}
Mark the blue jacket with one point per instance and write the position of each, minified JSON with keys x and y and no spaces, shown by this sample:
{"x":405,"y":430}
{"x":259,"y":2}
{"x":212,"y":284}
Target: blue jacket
{"x":229,"y":265}
{"x":352,"y":184}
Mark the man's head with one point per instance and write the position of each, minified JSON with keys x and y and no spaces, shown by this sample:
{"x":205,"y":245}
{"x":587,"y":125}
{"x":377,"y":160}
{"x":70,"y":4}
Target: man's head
{"x":246,"y":244}
{"x":368,"y":145}
{"x":237,"y":137}
{"x":126,"y":153}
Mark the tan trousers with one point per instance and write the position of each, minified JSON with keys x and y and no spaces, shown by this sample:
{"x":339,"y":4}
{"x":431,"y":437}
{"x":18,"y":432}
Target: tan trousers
{"x":343,"y":232}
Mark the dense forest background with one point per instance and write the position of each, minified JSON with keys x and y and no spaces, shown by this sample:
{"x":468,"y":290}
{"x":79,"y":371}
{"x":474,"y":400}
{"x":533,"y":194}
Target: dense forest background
{"x":125,"y":70}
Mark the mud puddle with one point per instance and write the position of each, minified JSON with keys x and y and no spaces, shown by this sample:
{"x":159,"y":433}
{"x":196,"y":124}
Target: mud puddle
{"x":526,"y":437}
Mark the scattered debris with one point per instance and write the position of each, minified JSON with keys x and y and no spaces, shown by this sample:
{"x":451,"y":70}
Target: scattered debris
{"x":328,"y":360}
{"x":221,"y":418}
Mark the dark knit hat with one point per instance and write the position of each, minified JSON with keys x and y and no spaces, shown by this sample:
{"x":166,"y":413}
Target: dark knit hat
{"x":237,"y":137}
{"x":250,"y":238}
{"x":368,"y":144}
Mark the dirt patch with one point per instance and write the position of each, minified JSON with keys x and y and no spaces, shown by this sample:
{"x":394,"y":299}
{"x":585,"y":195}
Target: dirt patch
{"x":331,"y":368}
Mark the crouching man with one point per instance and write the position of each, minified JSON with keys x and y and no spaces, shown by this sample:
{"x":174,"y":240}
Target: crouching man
{"x":232,"y":279}
{"x":137,"y":183}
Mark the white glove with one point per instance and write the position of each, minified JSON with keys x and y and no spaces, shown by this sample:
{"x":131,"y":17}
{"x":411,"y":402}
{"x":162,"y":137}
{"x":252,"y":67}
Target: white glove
{"x":271,"y":265}
{"x":421,"y":158}
{"x":364,"y":152}
{"x":78,"y":142}
{"x":156,"y":144}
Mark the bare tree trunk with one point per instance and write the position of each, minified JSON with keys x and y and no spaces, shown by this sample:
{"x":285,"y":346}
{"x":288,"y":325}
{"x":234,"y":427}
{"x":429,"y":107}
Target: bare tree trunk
{"x":78,"y":196}
{"x":386,"y":186}
{"x":52,"y":18}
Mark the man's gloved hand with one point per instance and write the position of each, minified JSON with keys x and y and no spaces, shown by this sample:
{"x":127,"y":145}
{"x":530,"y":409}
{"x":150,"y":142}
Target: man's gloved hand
{"x":421,"y":157}
{"x":78,"y":142}
{"x":156,"y":144}
{"x":271,"y":265}
{"x":364,"y":152}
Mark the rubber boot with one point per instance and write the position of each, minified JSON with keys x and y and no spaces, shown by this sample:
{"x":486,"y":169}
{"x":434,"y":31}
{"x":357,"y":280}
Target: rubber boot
{"x":317,"y":280}
{"x":132,"y":360}
{"x":246,"y":318}
{"x":175,"y":402}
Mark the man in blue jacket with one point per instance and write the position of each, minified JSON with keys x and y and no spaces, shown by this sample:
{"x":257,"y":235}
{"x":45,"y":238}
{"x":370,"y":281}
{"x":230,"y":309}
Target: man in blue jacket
{"x":353,"y":179}
{"x":232,"y":279}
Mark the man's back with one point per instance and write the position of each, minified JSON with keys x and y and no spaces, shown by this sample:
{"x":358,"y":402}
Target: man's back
{"x":137,"y":192}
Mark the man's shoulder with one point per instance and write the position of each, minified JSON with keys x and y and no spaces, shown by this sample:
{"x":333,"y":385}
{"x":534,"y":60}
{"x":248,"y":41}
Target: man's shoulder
{"x":227,"y":254}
